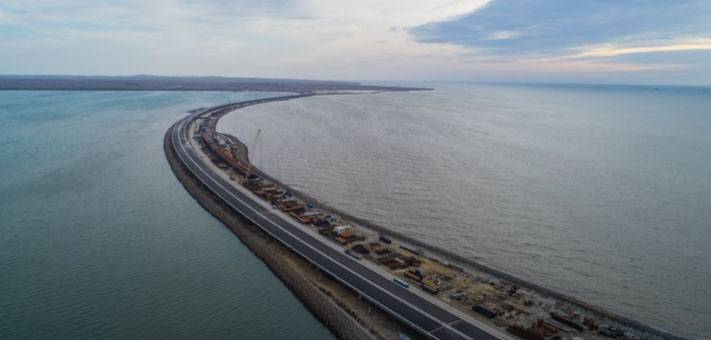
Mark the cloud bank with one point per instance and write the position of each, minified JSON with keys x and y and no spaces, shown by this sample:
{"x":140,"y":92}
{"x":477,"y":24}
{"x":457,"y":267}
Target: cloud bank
{"x":596,"y":32}
{"x":530,"y":40}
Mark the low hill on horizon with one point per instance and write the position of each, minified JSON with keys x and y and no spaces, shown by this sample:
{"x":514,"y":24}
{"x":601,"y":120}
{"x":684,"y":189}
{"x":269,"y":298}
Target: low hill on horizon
{"x":143,"y":82}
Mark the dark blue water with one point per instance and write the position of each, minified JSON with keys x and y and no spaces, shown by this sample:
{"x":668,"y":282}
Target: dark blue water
{"x":599,"y":192}
{"x":99,"y":240}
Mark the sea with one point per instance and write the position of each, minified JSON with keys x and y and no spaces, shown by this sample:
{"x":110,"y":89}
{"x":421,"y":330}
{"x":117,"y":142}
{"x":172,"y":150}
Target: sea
{"x":599,"y":192}
{"x":99,"y":240}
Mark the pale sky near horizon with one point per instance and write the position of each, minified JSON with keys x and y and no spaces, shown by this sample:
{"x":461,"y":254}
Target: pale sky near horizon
{"x":599,"y":41}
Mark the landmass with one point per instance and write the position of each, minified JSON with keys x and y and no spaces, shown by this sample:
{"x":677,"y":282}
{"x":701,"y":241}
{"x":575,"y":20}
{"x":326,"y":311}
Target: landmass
{"x":167,"y":83}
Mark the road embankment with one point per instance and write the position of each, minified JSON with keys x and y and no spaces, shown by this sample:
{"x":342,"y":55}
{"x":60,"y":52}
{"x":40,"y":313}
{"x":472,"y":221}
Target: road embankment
{"x":456,"y":260}
{"x":340,"y":308}
{"x":336,"y":306}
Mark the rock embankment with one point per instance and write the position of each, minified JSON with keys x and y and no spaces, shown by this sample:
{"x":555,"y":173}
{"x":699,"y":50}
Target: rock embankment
{"x":337,"y":307}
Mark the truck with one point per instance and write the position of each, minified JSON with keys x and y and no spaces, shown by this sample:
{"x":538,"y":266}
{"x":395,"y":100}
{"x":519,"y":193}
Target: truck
{"x":401,"y":282}
{"x":354,"y":254}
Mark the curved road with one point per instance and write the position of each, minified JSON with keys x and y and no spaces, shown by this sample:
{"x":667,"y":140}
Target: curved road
{"x":422,"y":315}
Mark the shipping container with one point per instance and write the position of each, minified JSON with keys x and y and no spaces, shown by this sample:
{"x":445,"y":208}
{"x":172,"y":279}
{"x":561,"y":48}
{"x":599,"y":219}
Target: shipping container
{"x":429,"y":288}
{"x":413,"y":276}
{"x":484,"y":311}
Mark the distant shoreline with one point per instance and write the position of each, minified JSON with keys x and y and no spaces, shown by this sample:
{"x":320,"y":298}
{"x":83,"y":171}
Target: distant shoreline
{"x":161,"y":83}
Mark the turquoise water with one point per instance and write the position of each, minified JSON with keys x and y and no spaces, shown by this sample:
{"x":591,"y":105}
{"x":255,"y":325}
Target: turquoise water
{"x":603,"y":193}
{"x":99,"y":240}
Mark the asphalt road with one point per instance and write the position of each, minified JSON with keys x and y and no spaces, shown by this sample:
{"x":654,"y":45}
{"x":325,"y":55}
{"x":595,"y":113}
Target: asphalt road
{"x":419,"y":313}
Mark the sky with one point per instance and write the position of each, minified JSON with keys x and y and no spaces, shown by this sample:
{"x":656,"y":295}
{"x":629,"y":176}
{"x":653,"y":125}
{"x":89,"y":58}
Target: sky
{"x":585,"y":41}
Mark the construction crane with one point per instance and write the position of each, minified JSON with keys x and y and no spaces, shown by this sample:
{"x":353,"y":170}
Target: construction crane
{"x":253,"y":150}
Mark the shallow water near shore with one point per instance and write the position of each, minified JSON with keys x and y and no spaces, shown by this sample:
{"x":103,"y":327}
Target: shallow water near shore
{"x":99,"y":240}
{"x":602,"y":193}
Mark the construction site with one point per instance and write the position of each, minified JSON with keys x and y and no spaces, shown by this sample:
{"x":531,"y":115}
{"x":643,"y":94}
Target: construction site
{"x":522,"y":310}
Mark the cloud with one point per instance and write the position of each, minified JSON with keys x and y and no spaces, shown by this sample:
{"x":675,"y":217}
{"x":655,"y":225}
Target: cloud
{"x":615,"y":51}
{"x":368,"y":39}
{"x":282,"y":38}
{"x":504,"y":35}
{"x":513,"y":28}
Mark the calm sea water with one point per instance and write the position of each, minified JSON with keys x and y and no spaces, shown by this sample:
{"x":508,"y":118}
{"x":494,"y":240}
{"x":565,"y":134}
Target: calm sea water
{"x":99,"y":240}
{"x":603,"y":193}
